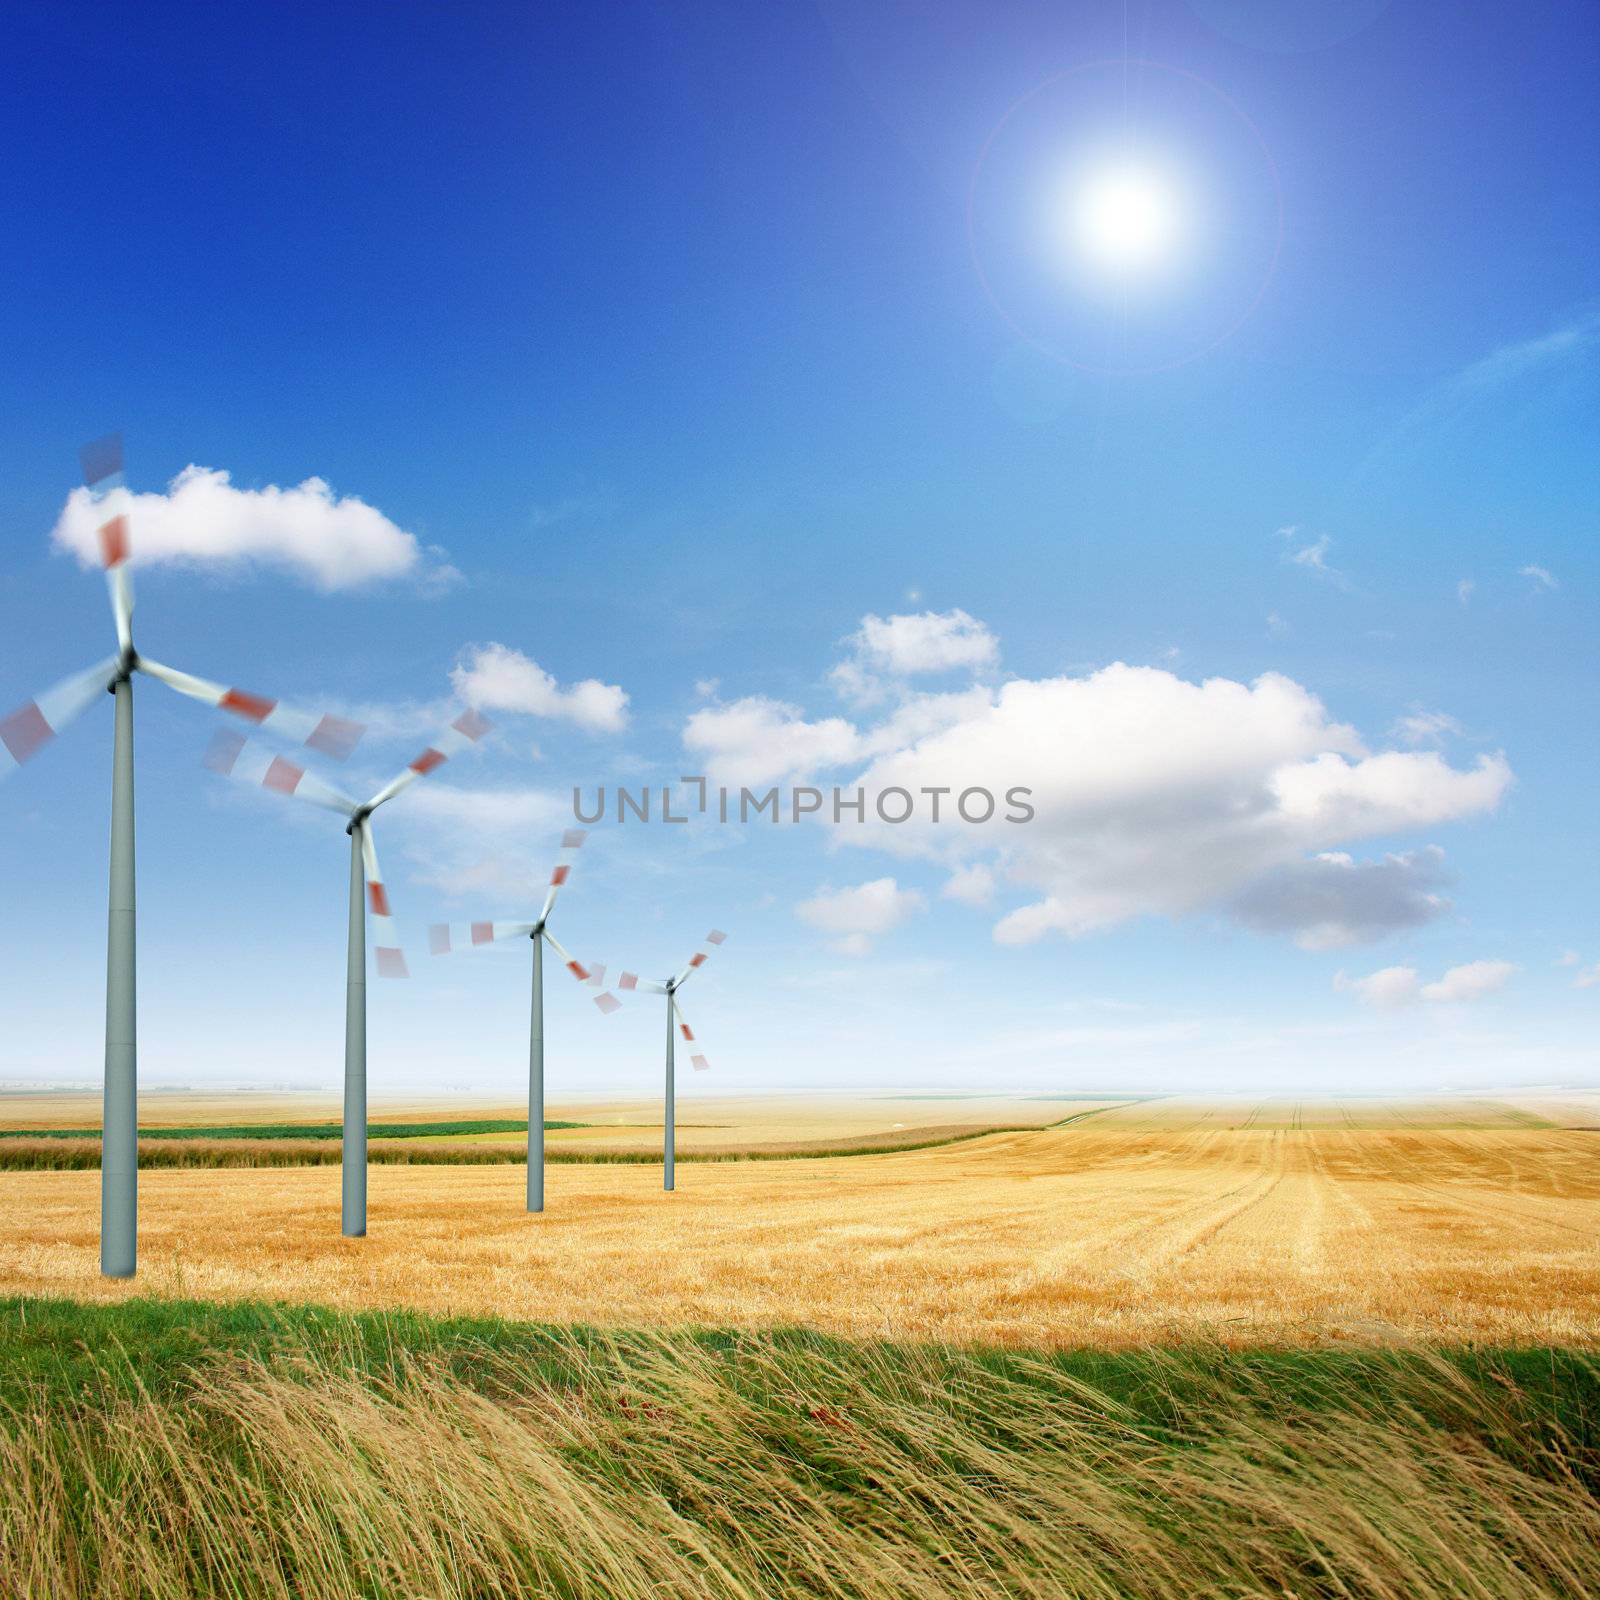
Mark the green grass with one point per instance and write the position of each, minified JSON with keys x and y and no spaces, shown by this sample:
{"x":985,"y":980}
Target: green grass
{"x":164,"y":1448}
{"x":302,"y":1130}
{"x":64,"y":1349}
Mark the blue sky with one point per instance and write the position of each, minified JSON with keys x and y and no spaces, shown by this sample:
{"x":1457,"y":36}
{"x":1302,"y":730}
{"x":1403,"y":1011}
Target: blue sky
{"x":669,"y":346}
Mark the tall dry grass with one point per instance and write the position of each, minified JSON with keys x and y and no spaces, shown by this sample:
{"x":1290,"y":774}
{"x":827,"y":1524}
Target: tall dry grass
{"x":761,"y":1469}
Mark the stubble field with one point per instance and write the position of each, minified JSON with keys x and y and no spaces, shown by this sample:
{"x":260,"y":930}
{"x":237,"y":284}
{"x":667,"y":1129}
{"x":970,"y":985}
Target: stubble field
{"x":1240,"y":1222}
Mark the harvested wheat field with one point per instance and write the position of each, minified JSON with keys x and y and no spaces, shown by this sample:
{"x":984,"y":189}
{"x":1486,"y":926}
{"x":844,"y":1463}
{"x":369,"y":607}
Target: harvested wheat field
{"x":1243,"y":1222}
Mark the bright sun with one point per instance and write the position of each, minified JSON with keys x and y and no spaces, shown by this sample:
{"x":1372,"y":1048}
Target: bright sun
{"x":1125,"y":218}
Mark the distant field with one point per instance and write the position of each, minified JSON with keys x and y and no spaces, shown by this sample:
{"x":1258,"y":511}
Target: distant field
{"x":266,"y":1133}
{"x":1306,"y":1222}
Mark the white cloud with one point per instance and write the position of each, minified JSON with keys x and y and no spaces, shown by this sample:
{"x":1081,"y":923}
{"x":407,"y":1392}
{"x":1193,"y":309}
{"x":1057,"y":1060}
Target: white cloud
{"x":1587,"y":977}
{"x":757,"y":740}
{"x":1464,"y":591}
{"x":494,"y":677}
{"x":928,"y":641}
{"x":1313,"y":558}
{"x":1569,"y":958}
{"x":1425,"y":727}
{"x":1332,"y":900}
{"x":330,"y":541}
{"x":1276,"y":625}
{"x":903,"y":646}
{"x":1394,"y":987}
{"x":1541,"y":577}
{"x":859,"y":914}
{"x":972,"y":885}
{"x":1154,"y":795}
{"x":1385,"y":990}
{"x":1469,"y":982}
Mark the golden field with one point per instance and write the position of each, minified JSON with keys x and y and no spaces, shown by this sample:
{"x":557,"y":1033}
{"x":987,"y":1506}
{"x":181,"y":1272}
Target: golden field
{"x":1240,"y":1221}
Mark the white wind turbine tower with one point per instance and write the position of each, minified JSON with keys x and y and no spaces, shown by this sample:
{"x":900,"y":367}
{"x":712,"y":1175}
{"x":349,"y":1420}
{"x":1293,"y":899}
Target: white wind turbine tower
{"x":27,"y":730}
{"x":676,"y":1023}
{"x":230,"y":756}
{"x":443,"y":939}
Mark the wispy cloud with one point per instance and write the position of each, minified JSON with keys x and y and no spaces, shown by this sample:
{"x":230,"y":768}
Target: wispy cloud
{"x":1313,"y":558}
{"x":1541,"y":577}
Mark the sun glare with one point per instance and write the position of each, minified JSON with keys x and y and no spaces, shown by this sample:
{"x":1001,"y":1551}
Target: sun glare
{"x":1125,"y":219}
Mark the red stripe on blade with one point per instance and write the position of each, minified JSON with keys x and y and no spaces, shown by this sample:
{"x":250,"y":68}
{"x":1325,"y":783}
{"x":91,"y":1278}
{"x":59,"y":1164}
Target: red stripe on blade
{"x":628,"y":980}
{"x":24,"y":731}
{"x":608,"y":1003}
{"x":577,"y":971}
{"x":391,"y":962}
{"x":283,"y":776}
{"x":335,"y":737}
{"x":114,"y":541}
{"x":378,"y":899}
{"x":698,"y":959}
{"x":472,"y":725}
{"x":427,"y":761}
{"x":716,"y":936}
{"x":483,"y":933}
{"x":700,"y":1063}
{"x":252,"y":707}
{"x":683,"y":1028}
{"x":559,"y":877}
{"x":439,"y":938}
{"x":572,"y":838}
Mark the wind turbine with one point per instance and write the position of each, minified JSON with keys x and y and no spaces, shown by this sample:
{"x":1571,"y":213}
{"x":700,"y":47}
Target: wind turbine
{"x":443,"y":939}
{"x":27,"y":730}
{"x":230,"y":756}
{"x":676,"y":1023}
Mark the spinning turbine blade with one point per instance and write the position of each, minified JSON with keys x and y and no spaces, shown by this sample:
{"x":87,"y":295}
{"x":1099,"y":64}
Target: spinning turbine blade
{"x":391,"y":958}
{"x":444,"y":938}
{"x":231,"y":755}
{"x":699,"y":958}
{"x":330,"y":735}
{"x":467,"y":729}
{"x":571,"y":840}
{"x":31,"y":727}
{"x":576,"y":968}
{"x":699,"y":1063}
{"x":102,"y":472}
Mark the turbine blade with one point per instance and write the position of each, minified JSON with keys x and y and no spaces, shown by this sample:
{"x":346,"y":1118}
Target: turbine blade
{"x":698,"y":1062}
{"x":571,"y":841}
{"x":102,"y":472}
{"x":329,"y":735}
{"x":445,"y":938}
{"x":391,"y":959}
{"x":31,"y":727}
{"x":232,"y":755}
{"x":576,"y":968}
{"x":467,"y":729}
{"x":699,"y":958}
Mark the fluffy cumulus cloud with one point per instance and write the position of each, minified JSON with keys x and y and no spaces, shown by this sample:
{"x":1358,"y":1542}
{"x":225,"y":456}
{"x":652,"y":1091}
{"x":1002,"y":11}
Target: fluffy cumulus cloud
{"x":1469,"y":982}
{"x":330,"y":541}
{"x":855,"y":916}
{"x":1388,"y":989}
{"x":1332,"y":900}
{"x":885,"y":651}
{"x":494,"y":677}
{"x":1394,"y":987}
{"x":1153,"y":795}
